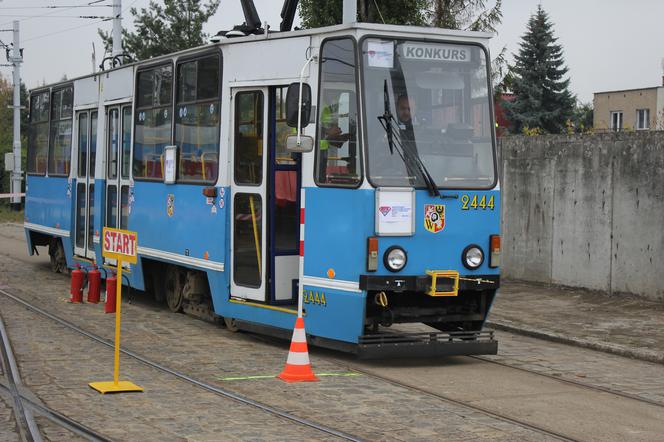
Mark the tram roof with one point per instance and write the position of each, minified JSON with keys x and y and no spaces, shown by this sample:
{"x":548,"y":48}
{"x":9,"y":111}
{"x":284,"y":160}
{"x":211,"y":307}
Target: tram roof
{"x":378,"y":29}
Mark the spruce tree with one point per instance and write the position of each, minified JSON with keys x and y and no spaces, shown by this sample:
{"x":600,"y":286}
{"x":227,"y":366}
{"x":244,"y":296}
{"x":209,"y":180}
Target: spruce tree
{"x":542,"y":96}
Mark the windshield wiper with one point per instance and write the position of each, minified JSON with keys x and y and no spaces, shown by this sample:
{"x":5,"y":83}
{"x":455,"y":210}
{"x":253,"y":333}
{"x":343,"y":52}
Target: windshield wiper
{"x":388,"y":122}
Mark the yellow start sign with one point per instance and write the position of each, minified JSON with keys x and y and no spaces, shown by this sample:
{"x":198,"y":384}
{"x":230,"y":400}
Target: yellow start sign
{"x":119,"y":244}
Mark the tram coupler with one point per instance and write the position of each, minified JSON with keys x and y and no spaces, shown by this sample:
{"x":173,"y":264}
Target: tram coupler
{"x":111,"y":286}
{"x":94,"y":285}
{"x":76,"y":291}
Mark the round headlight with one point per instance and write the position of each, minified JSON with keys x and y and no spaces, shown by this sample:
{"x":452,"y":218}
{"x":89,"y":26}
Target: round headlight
{"x":472,"y":257}
{"x":395,"y":258}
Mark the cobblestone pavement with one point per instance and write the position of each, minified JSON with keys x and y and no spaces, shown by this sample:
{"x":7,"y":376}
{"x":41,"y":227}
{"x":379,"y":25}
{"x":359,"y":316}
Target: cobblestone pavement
{"x":623,"y":325}
{"x":361,"y":405}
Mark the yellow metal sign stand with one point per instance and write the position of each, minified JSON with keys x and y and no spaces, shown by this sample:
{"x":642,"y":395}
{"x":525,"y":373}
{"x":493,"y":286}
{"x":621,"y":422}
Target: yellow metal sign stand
{"x":119,"y":245}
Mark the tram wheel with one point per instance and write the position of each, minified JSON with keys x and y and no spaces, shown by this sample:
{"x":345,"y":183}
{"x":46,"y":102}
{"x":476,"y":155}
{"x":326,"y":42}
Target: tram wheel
{"x":57,"y":254}
{"x":173,"y":289}
{"x":231,"y":325}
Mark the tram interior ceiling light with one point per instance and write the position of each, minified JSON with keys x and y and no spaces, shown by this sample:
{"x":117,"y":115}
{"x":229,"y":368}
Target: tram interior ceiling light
{"x":395,"y":258}
{"x":472,"y":257}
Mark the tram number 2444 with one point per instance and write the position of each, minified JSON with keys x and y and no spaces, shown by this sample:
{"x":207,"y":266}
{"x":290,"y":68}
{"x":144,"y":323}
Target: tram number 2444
{"x":475,"y":203}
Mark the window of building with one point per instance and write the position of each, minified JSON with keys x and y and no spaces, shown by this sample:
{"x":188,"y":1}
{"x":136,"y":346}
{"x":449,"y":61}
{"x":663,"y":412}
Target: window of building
{"x":616,"y":121}
{"x":337,"y":150}
{"x":197,"y":119}
{"x":38,"y":133}
{"x":643,"y":119}
{"x":152,"y":121}
{"x":59,"y":154}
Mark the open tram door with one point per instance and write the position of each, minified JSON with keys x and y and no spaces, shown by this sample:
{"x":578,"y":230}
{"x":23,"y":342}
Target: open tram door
{"x":264,"y":199}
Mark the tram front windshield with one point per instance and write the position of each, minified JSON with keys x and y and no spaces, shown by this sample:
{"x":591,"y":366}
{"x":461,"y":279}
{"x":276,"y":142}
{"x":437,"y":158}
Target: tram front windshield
{"x":427,"y":112}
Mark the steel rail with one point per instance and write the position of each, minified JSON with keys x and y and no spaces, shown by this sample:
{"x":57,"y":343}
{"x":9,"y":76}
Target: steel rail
{"x":211,"y":388}
{"x":573,"y":382}
{"x":464,"y":404}
{"x":24,"y":418}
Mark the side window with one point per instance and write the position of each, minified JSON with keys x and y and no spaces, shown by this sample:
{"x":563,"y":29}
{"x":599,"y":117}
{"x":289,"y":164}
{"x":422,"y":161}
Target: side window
{"x":249,"y":138}
{"x":126,"y":140}
{"x":59,"y":155}
{"x":152,"y":121}
{"x":337,"y":149}
{"x":38,"y":133}
{"x":283,"y":157}
{"x":197,"y":120}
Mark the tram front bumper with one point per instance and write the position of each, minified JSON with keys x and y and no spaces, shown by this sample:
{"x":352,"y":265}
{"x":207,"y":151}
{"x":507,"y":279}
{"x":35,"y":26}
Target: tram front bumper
{"x":423,"y":283}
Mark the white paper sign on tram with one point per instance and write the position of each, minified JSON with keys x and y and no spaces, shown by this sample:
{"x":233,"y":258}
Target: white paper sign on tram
{"x":119,"y":244}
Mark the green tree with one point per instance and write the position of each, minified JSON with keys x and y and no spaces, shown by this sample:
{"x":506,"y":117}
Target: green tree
{"x":319,"y":13}
{"x":470,"y":15}
{"x":583,"y":117}
{"x":542,"y":96}
{"x":175,"y":26}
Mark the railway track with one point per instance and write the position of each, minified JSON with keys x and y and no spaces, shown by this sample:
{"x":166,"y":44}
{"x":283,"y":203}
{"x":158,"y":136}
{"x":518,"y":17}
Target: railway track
{"x":25,"y":408}
{"x":201,"y":384}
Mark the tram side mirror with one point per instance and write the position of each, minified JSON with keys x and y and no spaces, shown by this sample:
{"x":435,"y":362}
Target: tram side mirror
{"x":292,"y":101}
{"x":306,"y":143}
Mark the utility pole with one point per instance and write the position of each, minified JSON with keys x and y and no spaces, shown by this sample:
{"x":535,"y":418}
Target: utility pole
{"x":16,"y":59}
{"x":117,"y":29}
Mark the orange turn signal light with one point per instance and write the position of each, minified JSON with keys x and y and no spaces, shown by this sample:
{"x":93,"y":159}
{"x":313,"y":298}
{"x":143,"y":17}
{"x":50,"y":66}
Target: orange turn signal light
{"x":494,"y":251}
{"x":372,"y":254}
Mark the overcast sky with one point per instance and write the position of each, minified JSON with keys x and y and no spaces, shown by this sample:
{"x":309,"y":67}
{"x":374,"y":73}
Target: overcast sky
{"x":608,"y":44}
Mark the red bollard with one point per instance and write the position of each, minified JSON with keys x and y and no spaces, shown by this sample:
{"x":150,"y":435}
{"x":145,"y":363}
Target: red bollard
{"x":111,"y":287}
{"x":77,"y":285}
{"x":94,"y":285}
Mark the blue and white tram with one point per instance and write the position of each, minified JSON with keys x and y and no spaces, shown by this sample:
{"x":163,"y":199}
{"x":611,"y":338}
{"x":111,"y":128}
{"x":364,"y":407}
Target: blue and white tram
{"x":195,"y":151}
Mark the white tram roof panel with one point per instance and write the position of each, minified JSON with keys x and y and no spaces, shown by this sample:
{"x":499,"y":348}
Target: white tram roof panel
{"x":358,"y":29}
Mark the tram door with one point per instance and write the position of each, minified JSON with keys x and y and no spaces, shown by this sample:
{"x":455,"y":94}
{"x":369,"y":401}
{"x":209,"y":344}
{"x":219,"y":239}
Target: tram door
{"x":86,"y":126}
{"x":265,"y":199}
{"x":118,"y":154}
{"x":248,"y":194}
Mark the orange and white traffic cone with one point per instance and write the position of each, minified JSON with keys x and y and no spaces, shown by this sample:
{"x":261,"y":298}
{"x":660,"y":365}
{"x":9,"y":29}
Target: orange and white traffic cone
{"x":298,"y":367}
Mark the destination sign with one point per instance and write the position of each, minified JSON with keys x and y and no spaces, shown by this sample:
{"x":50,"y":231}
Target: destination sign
{"x":119,"y":244}
{"x":415,"y":51}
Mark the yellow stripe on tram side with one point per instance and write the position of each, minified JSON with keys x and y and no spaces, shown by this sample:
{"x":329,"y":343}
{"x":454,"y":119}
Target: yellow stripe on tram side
{"x":269,"y":307}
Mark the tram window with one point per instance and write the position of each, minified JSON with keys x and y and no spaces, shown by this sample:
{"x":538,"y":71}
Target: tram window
{"x":82,"y":144}
{"x":153,"y":121}
{"x":126,"y":140}
{"x":113,"y":139}
{"x":38,"y":133}
{"x":197,"y":120}
{"x":247,"y":239}
{"x":124,"y":207}
{"x":59,"y":155}
{"x":282,"y":131}
{"x":93,"y":142}
{"x":337,"y":153}
{"x":249,"y":138}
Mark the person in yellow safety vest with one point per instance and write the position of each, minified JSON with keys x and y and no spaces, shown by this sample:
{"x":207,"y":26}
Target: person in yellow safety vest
{"x":331,"y":135}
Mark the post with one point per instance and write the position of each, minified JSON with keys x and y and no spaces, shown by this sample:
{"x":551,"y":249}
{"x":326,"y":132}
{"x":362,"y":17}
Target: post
{"x":16,"y":60}
{"x":300,"y":288}
{"x":350,"y":11}
{"x":117,"y":28}
{"x":118,"y":305}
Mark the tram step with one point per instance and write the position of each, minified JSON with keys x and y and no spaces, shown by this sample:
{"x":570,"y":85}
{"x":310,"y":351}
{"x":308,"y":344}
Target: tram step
{"x":426,"y":344}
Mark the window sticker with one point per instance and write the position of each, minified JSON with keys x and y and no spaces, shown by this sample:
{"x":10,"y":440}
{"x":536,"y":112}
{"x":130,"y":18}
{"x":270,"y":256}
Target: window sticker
{"x":380,"y":54}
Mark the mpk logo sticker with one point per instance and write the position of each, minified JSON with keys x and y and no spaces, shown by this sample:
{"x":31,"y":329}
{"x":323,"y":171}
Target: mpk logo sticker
{"x":384,"y":210}
{"x":434,"y":217}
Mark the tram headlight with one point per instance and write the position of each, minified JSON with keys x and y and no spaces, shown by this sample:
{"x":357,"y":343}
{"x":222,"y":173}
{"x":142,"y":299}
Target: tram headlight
{"x":395,"y":258}
{"x":472,"y":257}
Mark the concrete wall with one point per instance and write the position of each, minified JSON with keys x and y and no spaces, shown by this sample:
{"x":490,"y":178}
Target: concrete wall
{"x":585,"y":211}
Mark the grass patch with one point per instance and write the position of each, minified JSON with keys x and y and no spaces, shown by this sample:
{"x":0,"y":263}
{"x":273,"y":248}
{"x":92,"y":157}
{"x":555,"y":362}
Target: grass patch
{"x":9,"y":216}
